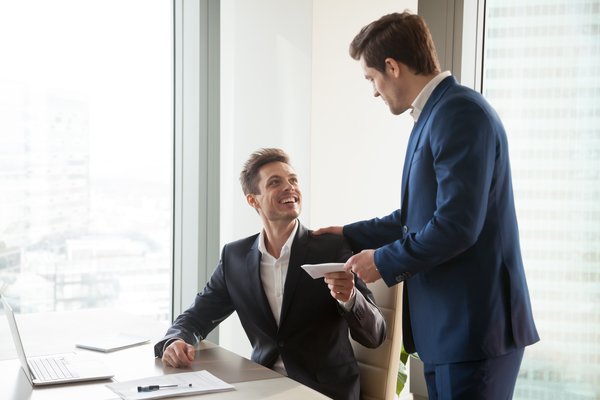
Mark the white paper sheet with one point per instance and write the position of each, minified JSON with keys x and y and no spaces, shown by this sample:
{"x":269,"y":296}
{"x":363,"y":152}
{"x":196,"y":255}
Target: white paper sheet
{"x":317,"y":271}
{"x":202,"y":382}
{"x":110,"y":343}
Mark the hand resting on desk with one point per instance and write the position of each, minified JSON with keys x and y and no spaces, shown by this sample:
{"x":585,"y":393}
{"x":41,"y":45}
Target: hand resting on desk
{"x":179,"y":354}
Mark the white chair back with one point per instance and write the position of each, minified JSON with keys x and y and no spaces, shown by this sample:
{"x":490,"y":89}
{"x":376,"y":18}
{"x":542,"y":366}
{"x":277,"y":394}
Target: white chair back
{"x":379,"y":367}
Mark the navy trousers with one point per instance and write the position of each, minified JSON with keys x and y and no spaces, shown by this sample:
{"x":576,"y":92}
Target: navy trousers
{"x":489,"y":379}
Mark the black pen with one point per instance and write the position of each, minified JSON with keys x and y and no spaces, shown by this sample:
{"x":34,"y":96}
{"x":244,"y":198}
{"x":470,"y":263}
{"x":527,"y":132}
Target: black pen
{"x":152,"y":388}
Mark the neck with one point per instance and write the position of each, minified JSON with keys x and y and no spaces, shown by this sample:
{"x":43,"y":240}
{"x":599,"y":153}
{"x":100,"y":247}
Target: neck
{"x":276,"y":234}
{"x":419,"y":82}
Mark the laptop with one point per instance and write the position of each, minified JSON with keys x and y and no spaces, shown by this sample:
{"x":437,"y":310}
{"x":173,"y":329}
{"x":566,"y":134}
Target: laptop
{"x":55,"y":368}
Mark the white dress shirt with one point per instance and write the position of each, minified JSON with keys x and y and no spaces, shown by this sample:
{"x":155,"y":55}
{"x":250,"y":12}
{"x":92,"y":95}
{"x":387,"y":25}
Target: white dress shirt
{"x":273,"y":272}
{"x":423,"y":96}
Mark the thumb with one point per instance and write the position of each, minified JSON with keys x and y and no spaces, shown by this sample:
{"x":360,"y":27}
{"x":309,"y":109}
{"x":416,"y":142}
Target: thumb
{"x":348,"y":264}
{"x":319,"y":231}
{"x":191,"y":352}
{"x":336,"y":230}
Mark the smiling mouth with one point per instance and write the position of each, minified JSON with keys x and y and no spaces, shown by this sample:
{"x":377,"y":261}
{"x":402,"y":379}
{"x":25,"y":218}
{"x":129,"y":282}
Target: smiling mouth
{"x":289,"y":200}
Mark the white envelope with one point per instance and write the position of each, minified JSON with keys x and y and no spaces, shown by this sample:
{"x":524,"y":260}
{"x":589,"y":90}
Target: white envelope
{"x":317,"y":271}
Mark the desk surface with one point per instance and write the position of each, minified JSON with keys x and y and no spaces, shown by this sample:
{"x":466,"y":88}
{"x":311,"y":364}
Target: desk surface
{"x":57,"y":332}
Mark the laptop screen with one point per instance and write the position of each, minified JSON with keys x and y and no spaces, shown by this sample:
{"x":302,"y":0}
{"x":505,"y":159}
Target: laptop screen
{"x":14,"y":330}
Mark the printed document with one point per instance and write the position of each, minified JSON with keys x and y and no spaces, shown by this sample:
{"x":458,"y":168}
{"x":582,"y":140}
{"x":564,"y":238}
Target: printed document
{"x":183,"y":384}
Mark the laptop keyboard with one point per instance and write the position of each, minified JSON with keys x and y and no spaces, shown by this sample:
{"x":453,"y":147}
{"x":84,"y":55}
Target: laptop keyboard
{"x":50,"y":369}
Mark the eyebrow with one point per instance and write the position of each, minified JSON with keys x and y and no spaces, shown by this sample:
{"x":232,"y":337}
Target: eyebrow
{"x":270,"y":178}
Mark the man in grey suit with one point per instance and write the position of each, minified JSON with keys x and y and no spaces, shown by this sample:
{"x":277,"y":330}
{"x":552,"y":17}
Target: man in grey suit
{"x":296,"y":325}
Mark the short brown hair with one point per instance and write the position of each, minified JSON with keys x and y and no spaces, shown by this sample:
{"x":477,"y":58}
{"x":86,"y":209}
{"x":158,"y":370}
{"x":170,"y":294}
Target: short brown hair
{"x":403,"y":37}
{"x":249,"y":176}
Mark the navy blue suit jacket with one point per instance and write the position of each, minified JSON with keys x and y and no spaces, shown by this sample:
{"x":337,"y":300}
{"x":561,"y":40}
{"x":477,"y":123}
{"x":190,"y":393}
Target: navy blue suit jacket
{"x":313,"y":333}
{"x":455,"y":240}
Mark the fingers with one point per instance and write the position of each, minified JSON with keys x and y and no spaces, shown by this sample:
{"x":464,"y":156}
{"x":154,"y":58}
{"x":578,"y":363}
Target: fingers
{"x":369,"y":275}
{"x":363,"y":265}
{"x":340,"y":284}
{"x":179,"y":354}
{"x":336,"y":230}
{"x":341,"y":276}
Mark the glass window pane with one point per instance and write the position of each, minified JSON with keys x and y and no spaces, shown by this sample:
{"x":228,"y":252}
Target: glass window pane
{"x":542,"y":73}
{"x":86,"y":155}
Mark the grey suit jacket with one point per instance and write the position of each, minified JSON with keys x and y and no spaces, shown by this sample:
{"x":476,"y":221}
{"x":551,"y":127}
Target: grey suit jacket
{"x":312,"y":337}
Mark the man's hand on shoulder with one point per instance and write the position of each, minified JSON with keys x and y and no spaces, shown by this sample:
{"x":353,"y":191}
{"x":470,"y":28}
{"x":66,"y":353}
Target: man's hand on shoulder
{"x":336,"y":230}
{"x":179,"y":354}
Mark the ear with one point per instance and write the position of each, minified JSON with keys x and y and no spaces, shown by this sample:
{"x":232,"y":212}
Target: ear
{"x":393,"y":67}
{"x":251,"y":200}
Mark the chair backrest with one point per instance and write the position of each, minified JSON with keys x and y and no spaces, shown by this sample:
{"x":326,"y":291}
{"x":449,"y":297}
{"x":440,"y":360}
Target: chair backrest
{"x":379,"y":367}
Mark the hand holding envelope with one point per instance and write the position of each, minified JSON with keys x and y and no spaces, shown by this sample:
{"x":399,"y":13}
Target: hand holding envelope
{"x":317,"y":271}
{"x":341,"y":286}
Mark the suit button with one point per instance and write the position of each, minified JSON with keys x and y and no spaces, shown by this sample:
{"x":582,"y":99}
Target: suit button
{"x":280,"y":343}
{"x":399,"y":278}
{"x":405,"y":229}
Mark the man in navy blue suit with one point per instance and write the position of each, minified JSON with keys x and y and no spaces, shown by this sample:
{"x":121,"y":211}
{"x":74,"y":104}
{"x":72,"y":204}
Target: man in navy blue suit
{"x":454,"y":242}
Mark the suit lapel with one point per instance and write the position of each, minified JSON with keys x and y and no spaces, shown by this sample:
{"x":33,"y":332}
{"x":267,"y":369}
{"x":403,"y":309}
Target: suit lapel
{"x":256,"y":286}
{"x":297,"y":257}
{"x":415,"y":134}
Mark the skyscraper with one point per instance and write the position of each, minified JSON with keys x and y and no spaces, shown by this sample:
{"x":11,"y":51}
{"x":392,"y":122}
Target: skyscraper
{"x":542,"y":74}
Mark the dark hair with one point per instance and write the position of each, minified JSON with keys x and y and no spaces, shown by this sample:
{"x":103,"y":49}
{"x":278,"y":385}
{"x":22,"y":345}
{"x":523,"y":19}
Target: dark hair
{"x":403,"y":37}
{"x":249,"y":176}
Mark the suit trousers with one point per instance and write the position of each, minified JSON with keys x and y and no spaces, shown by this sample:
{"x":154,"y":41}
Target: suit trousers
{"x":488,"y":379}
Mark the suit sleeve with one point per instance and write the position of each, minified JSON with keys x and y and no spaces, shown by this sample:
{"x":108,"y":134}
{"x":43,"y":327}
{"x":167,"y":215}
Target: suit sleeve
{"x":210,"y":307}
{"x":365,"y":321}
{"x":374,"y":233}
{"x":463,"y":145}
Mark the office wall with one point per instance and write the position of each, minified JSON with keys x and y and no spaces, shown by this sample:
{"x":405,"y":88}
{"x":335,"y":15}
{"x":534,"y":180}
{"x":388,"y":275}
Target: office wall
{"x":265,"y":102}
{"x":287,"y":80}
{"x":357,"y":145}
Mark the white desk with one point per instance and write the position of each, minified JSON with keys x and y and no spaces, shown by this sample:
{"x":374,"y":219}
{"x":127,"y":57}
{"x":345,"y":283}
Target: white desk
{"x":57,"y":332}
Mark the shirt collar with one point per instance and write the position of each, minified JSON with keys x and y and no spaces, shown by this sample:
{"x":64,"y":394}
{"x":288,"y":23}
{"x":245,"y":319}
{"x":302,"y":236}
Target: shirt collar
{"x":423,"y":96}
{"x":286,"y":246}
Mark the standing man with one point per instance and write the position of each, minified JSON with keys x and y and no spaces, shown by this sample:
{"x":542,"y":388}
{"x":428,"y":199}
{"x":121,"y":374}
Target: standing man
{"x":297,"y":325}
{"x":454,"y":242}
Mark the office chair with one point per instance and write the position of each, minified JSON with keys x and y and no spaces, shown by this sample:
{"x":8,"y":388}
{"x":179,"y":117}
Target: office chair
{"x":379,"y":367}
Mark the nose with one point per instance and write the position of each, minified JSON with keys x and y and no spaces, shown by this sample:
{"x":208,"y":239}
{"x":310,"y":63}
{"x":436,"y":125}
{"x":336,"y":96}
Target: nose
{"x":375,"y":91}
{"x":290,"y":186}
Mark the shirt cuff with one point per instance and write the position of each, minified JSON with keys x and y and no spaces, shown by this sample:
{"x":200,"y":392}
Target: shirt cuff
{"x":347,"y":305}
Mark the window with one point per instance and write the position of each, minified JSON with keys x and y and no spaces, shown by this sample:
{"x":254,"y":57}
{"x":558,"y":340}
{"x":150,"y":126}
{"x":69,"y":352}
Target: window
{"x":541,"y":72}
{"x":86,"y":155}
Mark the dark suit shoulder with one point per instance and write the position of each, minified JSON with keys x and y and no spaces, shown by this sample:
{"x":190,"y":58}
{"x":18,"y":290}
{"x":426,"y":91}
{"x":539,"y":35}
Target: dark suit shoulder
{"x":329,"y":245}
{"x":328,"y":239}
{"x":460,"y":96}
{"x":241,"y":245}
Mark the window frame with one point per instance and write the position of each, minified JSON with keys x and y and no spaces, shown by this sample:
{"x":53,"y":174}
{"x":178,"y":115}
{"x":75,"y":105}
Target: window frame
{"x":196,"y":148}
{"x":457,"y":28}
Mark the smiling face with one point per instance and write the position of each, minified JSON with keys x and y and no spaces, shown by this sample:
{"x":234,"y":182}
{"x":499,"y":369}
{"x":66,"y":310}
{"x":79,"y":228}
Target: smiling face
{"x":390,"y":85}
{"x":279,"y":199}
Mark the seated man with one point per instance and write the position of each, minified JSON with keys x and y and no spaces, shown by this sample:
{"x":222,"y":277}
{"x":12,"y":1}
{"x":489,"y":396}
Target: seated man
{"x":297,"y":325}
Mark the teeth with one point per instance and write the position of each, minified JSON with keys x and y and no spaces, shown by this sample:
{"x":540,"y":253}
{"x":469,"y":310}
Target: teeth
{"x":288,"y":200}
